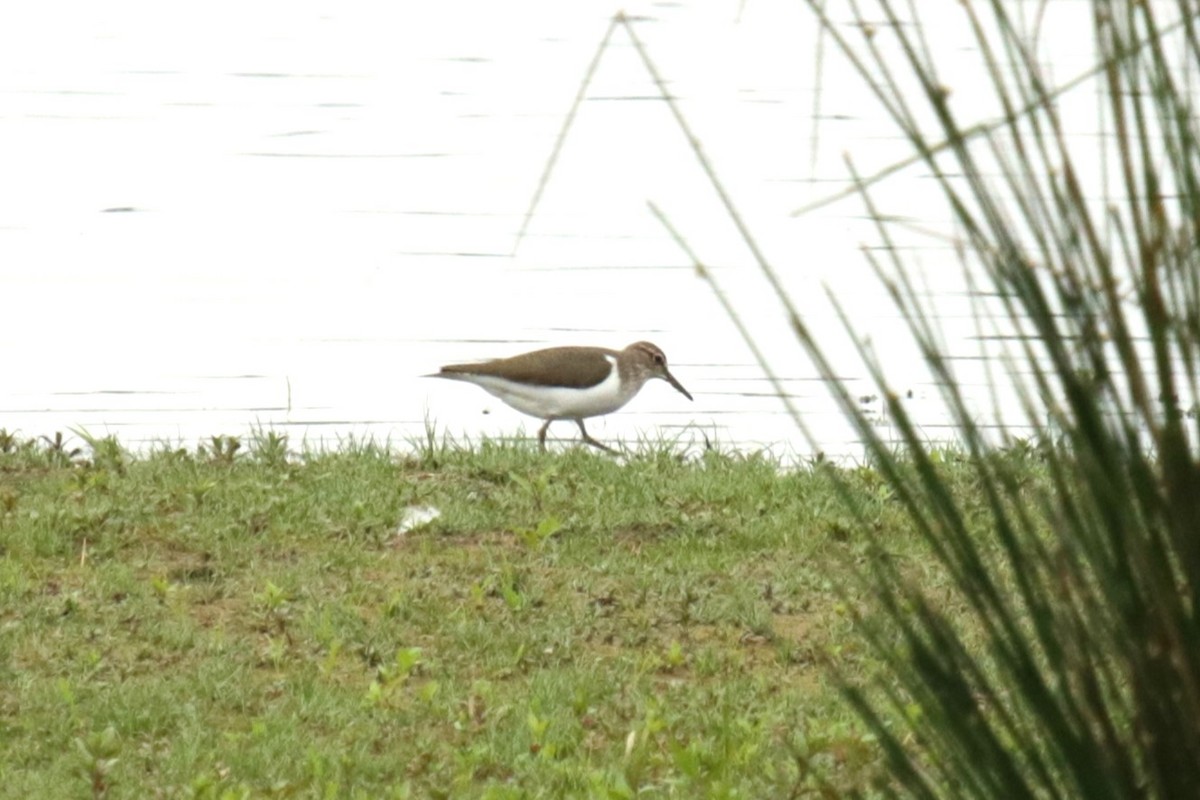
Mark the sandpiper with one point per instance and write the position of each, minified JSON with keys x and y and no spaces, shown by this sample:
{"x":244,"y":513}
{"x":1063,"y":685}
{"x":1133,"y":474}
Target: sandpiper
{"x":568,"y":382}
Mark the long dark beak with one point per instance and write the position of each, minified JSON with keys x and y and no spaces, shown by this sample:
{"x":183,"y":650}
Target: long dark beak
{"x":669,"y":378}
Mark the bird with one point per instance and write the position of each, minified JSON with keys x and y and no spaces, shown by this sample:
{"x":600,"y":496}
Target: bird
{"x":561,"y":383}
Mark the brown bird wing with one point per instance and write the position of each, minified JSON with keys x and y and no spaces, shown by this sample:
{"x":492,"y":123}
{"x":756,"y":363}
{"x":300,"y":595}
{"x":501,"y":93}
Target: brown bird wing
{"x":575,"y":367}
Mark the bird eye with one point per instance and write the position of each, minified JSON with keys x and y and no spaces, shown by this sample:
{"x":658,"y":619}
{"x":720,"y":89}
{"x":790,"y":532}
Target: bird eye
{"x":658,"y":359}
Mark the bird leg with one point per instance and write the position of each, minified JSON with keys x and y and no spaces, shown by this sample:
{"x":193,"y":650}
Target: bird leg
{"x":592,"y":441}
{"x":542,"y":435}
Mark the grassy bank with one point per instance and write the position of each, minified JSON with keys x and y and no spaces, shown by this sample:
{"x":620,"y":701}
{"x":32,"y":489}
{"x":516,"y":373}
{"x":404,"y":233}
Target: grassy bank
{"x":234,"y":622}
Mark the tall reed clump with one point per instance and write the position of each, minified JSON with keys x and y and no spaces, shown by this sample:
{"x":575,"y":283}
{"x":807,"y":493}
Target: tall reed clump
{"x":1076,"y":670}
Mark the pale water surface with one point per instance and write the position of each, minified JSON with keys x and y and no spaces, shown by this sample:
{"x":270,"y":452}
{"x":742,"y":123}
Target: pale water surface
{"x":225,"y":215}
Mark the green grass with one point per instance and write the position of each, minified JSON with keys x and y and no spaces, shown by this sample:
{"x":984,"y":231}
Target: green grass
{"x":233,"y":622}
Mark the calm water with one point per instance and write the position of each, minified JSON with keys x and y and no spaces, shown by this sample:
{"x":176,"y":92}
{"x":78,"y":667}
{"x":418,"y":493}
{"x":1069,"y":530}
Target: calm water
{"x":281,"y":213}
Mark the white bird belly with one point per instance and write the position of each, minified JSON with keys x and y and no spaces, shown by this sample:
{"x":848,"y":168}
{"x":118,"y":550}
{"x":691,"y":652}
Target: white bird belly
{"x":557,"y":402}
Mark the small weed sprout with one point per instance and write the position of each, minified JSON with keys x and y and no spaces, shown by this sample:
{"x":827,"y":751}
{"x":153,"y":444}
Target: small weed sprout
{"x":220,"y":449}
{"x":390,"y":677}
{"x":97,"y":756}
{"x":269,"y":448}
{"x":536,"y":538}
